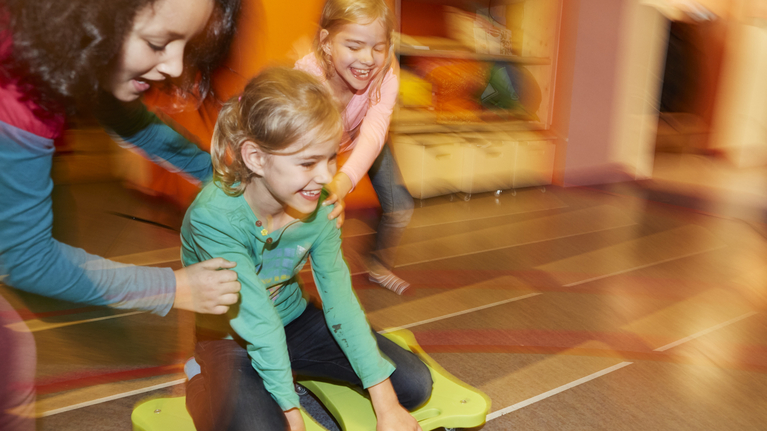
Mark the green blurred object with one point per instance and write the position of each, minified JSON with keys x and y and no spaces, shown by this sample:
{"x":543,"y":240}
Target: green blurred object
{"x":501,"y":96}
{"x":499,"y":92}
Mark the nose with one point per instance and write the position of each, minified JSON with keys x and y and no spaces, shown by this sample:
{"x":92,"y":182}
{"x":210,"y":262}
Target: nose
{"x":324,"y":174}
{"x":173,"y":64}
{"x":366,"y":57}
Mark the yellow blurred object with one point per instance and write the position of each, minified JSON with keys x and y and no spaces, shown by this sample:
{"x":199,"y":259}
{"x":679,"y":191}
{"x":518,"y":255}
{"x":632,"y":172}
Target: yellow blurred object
{"x":163,"y":414}
{"x":414,"y":92}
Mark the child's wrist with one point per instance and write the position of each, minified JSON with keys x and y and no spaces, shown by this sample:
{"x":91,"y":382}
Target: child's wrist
{"x":383,"y":397}
{"x":343,"y":184}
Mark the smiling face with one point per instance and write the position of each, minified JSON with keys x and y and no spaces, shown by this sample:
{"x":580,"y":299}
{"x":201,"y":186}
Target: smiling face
{"x":358,"y":52}
{"x":291,"y":180}
{"x":154,"y":47}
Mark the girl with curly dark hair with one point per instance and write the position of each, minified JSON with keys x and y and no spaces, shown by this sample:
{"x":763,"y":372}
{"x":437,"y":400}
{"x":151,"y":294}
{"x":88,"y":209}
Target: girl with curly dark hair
{"x":98,"y":57}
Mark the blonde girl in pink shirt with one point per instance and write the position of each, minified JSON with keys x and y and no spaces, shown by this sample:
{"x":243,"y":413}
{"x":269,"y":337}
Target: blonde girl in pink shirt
{"x":354,"y":58}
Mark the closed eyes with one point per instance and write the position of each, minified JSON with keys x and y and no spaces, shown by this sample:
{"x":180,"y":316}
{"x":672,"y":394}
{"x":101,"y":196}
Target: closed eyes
{"x":154,"y":47}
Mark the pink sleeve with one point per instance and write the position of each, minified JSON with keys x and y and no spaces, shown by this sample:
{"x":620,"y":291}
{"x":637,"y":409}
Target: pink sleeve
{"x":373,"y":131}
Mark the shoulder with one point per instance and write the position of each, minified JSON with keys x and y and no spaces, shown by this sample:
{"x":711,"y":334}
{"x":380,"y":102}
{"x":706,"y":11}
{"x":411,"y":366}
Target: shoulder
{"x":214,"y":207}
{"x":210,"y":195}
{"x":391,"y":80}
{"x":311,"y":65}
{"x":18,"y":111}
{"x":17,"y":108}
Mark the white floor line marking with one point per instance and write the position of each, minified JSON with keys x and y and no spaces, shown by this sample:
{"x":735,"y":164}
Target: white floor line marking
{"x":151,"y":257}
{"x":671,"y":259}
{"x":111,"y":398}
{"x":513,"y":245}
{"x":458,"y":313}
{"x":36,"y":325}
{"x":535,"y":399}
{"x":529,"y":401}
{"x":704,"y":332}
{"x":176,"y":382}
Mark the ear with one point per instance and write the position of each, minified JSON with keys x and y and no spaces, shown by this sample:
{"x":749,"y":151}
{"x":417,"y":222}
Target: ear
{"x":325,"y":41}
{"x":253,"y":157}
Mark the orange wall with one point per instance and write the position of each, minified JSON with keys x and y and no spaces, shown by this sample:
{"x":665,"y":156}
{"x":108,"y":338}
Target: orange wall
{"x":267,"y":31}
{"x":266,"y":34}
{"x":423,"y":19}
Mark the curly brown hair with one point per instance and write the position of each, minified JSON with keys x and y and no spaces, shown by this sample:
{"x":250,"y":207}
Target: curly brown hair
{"x":62,"y":49}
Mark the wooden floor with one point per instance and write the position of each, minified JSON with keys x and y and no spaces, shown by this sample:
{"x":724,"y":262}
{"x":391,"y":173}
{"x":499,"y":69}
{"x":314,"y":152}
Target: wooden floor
{"x":635,"y":306}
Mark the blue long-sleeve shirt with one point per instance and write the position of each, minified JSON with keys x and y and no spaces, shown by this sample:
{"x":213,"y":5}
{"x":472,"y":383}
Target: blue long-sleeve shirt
{"x":30,"y":259}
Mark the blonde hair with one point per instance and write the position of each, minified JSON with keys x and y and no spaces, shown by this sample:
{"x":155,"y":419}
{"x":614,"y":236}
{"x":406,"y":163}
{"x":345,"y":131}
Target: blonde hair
{"x":338,"y":13}
{"x":277,"y":108}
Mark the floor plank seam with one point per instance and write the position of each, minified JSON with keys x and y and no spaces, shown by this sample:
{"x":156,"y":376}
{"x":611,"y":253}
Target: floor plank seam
{"x":111,"y":398}
{"x":625,"y":271}
{"x":512,"y":246}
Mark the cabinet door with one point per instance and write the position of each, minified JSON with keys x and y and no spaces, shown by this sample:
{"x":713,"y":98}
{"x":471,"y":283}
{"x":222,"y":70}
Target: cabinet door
{"x":488,"y":165}
{"x":534,"y":164}
{"x":409,"y":155}
{"x":442,"y":165}
{"x":431,"y":164}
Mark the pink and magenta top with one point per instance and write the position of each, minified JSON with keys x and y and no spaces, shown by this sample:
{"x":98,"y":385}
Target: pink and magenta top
{"x":372,"y":119}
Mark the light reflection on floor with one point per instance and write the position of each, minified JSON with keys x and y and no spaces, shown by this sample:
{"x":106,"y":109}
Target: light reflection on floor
{"x":630,"y":306}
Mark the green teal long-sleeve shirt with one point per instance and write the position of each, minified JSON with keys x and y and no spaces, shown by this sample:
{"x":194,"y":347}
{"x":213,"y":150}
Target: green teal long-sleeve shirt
{"x":268,"y":264}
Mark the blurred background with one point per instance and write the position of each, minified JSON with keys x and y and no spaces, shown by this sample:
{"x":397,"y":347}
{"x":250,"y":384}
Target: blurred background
{"x":575,"y":93}
{"x":590,"y":189}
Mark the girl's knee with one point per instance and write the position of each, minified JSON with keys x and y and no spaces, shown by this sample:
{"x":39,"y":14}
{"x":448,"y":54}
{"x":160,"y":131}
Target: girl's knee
{"x":407,"y":208}
{"x":400,"y":218}
{"x":417,"y":386}
{"x":421,"y":392}
{"x":404,"y":202}
{"x":411,"y":379}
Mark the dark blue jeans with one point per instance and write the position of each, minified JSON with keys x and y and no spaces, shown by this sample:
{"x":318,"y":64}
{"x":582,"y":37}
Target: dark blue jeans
{"x":229,"y":394}
{"x":396,"y":203}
